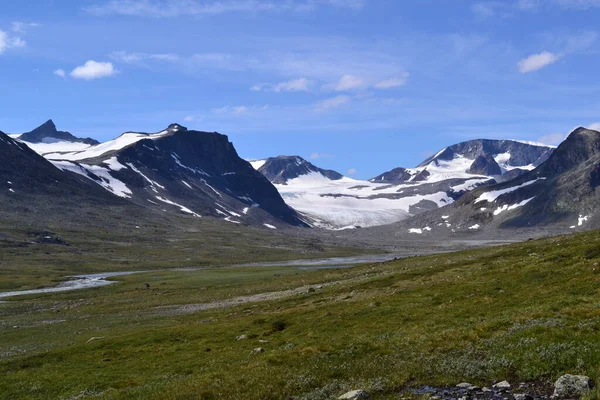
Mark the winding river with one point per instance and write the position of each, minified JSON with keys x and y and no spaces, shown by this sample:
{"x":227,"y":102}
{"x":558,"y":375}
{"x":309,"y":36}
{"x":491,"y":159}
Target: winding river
{"x":78,"y":282}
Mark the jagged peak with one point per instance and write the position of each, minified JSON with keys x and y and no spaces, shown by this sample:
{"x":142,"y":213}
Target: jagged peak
{"x":176,"y":127}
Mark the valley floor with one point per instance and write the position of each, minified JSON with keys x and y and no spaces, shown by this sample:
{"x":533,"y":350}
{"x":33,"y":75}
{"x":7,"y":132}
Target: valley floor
{"x":526,"y":312}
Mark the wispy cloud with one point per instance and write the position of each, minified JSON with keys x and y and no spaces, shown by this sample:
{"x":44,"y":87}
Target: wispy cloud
{"x":392,"y":82}
{"x":61,"y":73}
{"x":316,"y":156}
{"x":294,"y":85}
{"x":331,"y":103}
{"x":132,"y":58}
{"x":552,"y":138}
{"x":22,"y":27}
{"x":93,"y":70}
{"x":536,"y":62}
{"x":351,"y":82}
{"x":346,"y":83}
{"x":178,"y":8}
{"x":239,"y":110}
{"x":9,"y":42}
{"x":351,"y":171}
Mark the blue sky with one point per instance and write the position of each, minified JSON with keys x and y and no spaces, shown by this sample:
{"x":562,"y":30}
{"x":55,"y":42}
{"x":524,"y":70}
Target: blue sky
{"x":360,"y":86}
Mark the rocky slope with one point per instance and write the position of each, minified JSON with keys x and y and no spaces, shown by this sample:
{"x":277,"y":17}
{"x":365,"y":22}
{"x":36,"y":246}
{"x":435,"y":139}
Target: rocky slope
{"x":180,"y":170}
{"x":561,"y":194}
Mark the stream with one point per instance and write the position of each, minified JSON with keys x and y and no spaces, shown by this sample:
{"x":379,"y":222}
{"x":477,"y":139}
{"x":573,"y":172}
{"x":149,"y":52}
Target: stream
{"x":78,"y":282}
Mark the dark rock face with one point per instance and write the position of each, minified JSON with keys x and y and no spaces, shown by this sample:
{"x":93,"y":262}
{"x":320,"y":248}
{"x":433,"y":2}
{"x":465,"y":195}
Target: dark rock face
{"x":33,"y":191}
{"x":279,"y":170}
{"x":47,"y":131}
{"x":200,"y":172}
{"x":581,"y":145}
{"x":394,"y":177}
{"x":485,"y":165}
{"x":520,"y":153}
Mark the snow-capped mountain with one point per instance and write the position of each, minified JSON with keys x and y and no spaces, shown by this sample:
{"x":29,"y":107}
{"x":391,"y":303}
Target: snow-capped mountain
{"x":179,"y":170}
{"x":47,"y":139}
{"x":494,"y":158}
{"x":334,"y":201}
{"x":33,"y":190}
{"x":279,"y":170}
{"x":562,"y":193}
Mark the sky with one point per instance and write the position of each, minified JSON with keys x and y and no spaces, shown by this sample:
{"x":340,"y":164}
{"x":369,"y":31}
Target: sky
{"x":359,"y":86}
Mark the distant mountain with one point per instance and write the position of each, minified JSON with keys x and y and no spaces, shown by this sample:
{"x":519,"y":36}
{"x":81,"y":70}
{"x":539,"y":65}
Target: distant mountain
{"x":33,"y":190}
{"x":338,"y":202}
{"x":562,"y":193}
{"x":192,"y":172}
{"x":486,"y":157}
{"x":280,"y":170}
{"x":334,"y":201}
{"x":47,"y":133}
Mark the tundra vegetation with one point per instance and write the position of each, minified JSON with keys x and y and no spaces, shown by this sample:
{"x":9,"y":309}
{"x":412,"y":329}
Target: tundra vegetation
{"x":526,"y":312}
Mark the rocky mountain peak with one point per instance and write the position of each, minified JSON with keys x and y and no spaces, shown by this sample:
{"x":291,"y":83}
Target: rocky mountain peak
{"x":281,"y":169}
{"x":485,"y":164}
{"x":47,"y":132}
{"x":581,"y":145}
{"x":176,"y":127}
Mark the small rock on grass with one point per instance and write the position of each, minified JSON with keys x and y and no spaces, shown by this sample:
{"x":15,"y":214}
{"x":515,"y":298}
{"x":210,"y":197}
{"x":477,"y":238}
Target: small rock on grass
{"x":259,"y":350}
{"x":355,"y":395}
{"x":467,"y":386}
{"x":504,"y":385}
{"x":572,"y":386}
{"x":241,"y":337}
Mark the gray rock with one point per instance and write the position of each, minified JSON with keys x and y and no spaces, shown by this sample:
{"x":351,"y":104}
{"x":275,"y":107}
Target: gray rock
{"x":464,"y":385}
{"x":504,"y":385}
{"x":523,"y":396}
{"x":355,"y":395}
{"x":259,"y":350}
{"x":570,"y":386}
{"x":241,"y":337}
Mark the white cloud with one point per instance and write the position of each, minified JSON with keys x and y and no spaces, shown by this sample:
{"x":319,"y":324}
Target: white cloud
{"x":333,"y":102}
{"x":392,"y":82}
{"x":537,"y":61}
{"x":22,"y":27}
{"x":595,"y":126}
{"x":239,"y":110}
{"x":316,"y":156}
{"x":189,"y":118}
{"x":351,"y":171}
{"x":93,"y":70}
{"x":347,"y":82}
{"x":61,"y":73}
{"x":132,"y":58}
{"x":9,"y":42}
{"x":552,"y":138}
{"x":177,"y":8}
{"x":294,"y":85}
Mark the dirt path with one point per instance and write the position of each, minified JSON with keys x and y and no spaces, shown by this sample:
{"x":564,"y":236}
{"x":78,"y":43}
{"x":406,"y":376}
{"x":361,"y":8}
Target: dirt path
{"x":259,"y":297}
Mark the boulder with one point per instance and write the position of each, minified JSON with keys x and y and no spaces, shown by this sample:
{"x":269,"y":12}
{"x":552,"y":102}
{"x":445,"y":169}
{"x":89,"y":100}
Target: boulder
{"x":355,"y":395}
{"x":572,"y":386}
{"x":504,"y":385}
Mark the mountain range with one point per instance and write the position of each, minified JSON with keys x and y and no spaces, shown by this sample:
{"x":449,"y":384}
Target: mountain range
{"x":474,"y":187}
{"x":334,"y":201}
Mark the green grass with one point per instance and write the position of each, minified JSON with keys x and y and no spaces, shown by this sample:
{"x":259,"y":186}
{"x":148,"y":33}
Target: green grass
{"x":524,"y":312}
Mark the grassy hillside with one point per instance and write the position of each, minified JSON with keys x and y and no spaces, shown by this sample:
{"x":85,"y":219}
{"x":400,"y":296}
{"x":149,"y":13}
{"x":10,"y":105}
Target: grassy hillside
{"x":524,"y":312}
